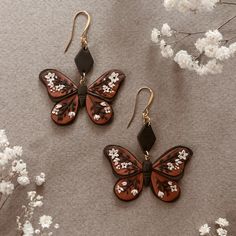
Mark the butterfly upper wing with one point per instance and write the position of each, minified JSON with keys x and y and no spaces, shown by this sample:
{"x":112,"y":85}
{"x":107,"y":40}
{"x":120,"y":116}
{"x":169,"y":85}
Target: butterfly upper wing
{"x":107,"y":85}
{"x":129,"y":188}
{"x":102,"y":91}
{"x":58,"y":85}
{"x":122,"y":161}
{"x":99,"y":111}
{"x":172,"y":163}
{"x":163,"y":188}
{"x":65,"y":111}
{"x":128,"y":168}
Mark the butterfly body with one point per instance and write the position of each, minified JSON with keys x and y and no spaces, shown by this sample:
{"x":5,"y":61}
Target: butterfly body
{"x":162,"y":174}
{"x":82,"y":92}
{"x":70,"y":98}
{"x":147,"y":171}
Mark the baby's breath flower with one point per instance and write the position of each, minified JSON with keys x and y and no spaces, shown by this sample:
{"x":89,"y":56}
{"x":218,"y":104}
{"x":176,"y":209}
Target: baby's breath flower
{"x":222,"y":222}
{"x":155,"y":35}
{"x":31,"y":195}
{"x":166,"y":50}
{"x":190,"y":5}
{"x":221,"y":232}
{"x":28,"y":229}
{"x":40,"y":179}
{"x":45,"y":221}
{"x":6,"y":187}
{"x":209,"y":46}
{"x":232,"y":48}
{"x":166,"y":30}
{"x":3,"y":138}
{"x":23,"y":180}
{"x":168,"y":4}
{"x":184,"y":60}
{"x":18,"y":150}
{"x":204,"y":229}
{"x":37,"y":231}
{"x":223,"y":53}
{"x":18,"y":166}
{"x":56,"y":226}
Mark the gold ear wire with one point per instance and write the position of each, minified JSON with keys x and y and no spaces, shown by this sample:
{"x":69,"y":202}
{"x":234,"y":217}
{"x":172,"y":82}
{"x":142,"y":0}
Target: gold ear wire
{"x":146,"y":118}
{"x":84,"y":36}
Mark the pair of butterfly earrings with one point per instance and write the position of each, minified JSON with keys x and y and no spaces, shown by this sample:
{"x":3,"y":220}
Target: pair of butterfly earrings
{"x":163,"y":174}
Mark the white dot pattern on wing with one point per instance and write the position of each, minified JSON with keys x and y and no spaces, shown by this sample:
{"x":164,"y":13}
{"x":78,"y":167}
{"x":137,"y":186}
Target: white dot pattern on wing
{"x":113,"y":153}
{"x":50,"y":78}
{"x":113,"y":79}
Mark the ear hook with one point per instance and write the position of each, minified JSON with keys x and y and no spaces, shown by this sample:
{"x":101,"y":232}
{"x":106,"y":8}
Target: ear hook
{"x":84,"y":37}
{"x":146,"y":118}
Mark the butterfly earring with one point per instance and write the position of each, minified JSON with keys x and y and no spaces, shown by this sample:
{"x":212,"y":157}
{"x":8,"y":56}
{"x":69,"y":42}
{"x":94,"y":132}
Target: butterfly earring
{"x":70,"y":97}
{"x":133,"y":174}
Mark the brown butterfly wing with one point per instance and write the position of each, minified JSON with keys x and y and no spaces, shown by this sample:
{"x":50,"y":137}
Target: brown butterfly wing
{"x":167,"y":170}
{"x":123,"y":162}
{"x":99,"y":111}
{"x":129,"y":170}
{"x":65,"y":111}
{"x":107,"y":85}
{"x":172,"y":163}
{"x":163,"y":188}
{"x":129,"y":188}
{"x":58,"y":85}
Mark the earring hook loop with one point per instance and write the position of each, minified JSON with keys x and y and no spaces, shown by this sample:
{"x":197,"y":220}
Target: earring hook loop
{"x":145,"y":114}
{"x":84,"y":36}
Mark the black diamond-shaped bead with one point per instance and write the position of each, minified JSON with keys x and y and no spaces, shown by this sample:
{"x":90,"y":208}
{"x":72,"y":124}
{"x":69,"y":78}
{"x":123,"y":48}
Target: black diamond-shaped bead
{"x":84,"y":61}
{"x":146,"y":137}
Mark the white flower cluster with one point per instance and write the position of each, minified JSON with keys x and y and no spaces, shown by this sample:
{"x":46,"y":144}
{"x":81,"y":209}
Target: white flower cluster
{"x":221,"y":231}
{"x":190,"y":5}
{"x":211,"y":46}
{"x":13,"y":173}
{"x":12,"y":168}
{"x":114,"y":77}
{"x":40,"y":179}
{"x":24,"y":221}
{"x":158,"y":37}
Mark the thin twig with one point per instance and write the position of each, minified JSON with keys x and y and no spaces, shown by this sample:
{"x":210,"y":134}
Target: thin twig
{"x":191,"y":33}
{"x":179,"y":40}
{"x":221,"y":26}
{"x":202,"y":32}
{"x":188,"y":34}
{"x":4,"y":202}
{"x":227,"y":3}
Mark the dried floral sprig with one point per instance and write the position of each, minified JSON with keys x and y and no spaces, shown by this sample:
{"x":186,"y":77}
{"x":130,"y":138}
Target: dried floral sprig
{"x":194,"y":5}
{"x":13,"y":173}
{"x":221,"y":223}
{"x":212,"y":47}
{"x":40,"y":179}
{"x":13,"y":170}
{"x":24,"y":220}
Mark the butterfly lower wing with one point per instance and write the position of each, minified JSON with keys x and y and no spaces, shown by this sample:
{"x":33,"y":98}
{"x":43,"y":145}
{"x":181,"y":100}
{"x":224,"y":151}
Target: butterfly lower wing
{"x":57,"y":84}
{"x":99,"y":111}
{"x":122,"y":161}
{"x":163,"y":188}
{"x":129,"y":188}
{"x":172,"y":162}
{"x":107,"y":85}
{"x":65,"y":111}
